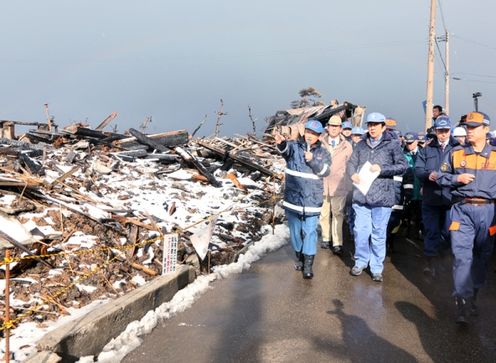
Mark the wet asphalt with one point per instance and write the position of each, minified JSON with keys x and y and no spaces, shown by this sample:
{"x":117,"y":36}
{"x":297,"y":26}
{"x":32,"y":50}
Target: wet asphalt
{"x":271,"y":314}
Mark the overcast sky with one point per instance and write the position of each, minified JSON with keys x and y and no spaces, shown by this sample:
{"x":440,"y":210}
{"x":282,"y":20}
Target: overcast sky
{"x":175,"y":60}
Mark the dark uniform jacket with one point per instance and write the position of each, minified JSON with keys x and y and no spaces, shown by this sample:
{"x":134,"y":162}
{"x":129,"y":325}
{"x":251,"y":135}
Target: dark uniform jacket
{"x":463,"y":159}
{"x":303,"y":192}
{"x":429,"y":159}
{"x":389,"y":155}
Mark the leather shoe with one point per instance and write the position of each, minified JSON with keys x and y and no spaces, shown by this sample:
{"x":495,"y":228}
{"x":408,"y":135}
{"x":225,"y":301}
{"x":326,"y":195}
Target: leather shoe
{"x":337,"y":250}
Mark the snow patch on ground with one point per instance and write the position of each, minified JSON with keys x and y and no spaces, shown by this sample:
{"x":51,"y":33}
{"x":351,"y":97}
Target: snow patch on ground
{"x":31,"y":332}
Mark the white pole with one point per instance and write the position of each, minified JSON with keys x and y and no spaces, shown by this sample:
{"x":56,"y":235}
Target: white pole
{"x":430,"y":67}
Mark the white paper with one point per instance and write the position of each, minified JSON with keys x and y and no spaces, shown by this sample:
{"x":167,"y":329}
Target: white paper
{"x":201,"y":239}
{"x":367,"y":177}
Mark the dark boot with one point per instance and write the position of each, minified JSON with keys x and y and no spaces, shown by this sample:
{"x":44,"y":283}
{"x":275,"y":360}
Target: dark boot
{"x":307,"y":266}
{"x":461,"y":310}
{"x":299,"y":261}
{"x":474,"y":311}
{"x":430,"y":266}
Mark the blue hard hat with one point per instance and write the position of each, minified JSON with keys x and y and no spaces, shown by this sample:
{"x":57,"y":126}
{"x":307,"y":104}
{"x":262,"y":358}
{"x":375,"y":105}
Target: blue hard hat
{"x":442,"y":122}
{"x":346,"y":125}
{"x":357,"y":131}
{"x":315,"y":126}
{"x":411,"y":137}
{"x":376,"y":117}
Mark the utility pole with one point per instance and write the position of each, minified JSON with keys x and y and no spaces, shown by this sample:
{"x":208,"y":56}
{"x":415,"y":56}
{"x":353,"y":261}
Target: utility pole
{"x":430,"y":67}
{"x":447,"y":77}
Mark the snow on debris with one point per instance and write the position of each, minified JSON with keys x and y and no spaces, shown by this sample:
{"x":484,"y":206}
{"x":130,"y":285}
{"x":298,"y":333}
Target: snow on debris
{"x":93,"y":221}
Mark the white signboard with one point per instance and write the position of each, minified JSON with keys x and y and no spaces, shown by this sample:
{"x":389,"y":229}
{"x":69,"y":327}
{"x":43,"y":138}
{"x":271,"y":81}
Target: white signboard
{"x":169,"y":256}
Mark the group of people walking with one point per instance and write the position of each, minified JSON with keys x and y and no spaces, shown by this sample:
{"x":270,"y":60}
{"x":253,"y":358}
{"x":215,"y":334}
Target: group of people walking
{"x":448,"y":180}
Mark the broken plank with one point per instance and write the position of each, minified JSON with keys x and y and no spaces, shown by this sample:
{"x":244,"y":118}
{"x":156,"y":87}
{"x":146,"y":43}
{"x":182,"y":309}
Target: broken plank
{"x":63,"y":177}
{"x":145,"y":269}
{"x":105,"y":122}
{"x":190,"y":158}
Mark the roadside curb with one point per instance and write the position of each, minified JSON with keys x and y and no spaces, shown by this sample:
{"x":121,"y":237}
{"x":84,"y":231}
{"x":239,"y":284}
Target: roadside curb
{"x":89,"y":334}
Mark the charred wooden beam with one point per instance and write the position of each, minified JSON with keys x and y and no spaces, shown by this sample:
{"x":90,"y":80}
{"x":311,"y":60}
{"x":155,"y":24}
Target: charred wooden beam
{"x":142,"y":138}
{"x":85,"y":132}
{"x":145,"y":140}
{"x":163,"y":158}
{"x":110,"y":139}
{"x":169,"y":139}
{"x":326,"y":114}
{"x":21,"y":246}
{"x":190,"y":158}
{"x":37,"y":137}
{"x":242,"y":160}
{"x":32,"y":165}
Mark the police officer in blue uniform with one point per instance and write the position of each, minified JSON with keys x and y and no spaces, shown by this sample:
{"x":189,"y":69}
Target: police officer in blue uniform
{"x":436,"y":200}
{"x":470,"y":170}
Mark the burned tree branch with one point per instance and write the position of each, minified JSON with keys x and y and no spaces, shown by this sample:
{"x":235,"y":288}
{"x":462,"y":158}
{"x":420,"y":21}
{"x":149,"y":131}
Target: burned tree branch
{"x":198,"y":127}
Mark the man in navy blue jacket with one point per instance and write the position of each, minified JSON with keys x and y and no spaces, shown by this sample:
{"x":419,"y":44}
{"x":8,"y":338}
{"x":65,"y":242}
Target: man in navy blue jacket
{"x":373,"y":209}
{"x":436,"y":200}
{"x":307,"y":162}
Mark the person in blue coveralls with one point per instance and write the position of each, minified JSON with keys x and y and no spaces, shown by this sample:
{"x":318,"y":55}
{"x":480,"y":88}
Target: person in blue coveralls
{"x":470,"y":169}
{"x":372,"y":210}
{"x":307,"y":162}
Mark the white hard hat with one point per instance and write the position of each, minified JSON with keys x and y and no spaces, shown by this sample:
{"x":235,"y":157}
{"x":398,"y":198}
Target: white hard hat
{"x":459,"y":131}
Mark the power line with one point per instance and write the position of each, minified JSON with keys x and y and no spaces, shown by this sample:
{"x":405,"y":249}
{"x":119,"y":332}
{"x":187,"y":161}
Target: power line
{"x":441,"y":57}
{"x":442,"y":16}
{"x":477,"y":75}
{"x":474,"y":42}
{"x":473,"y":80}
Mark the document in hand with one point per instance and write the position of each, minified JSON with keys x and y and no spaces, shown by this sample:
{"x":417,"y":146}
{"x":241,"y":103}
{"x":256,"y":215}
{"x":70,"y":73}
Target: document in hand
{"x":366,"y":178}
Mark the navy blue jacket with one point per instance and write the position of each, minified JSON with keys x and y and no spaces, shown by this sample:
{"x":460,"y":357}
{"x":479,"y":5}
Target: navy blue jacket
{"x":429,"y":159}
{"x":304,"y":188}
{"x":389,"y":155}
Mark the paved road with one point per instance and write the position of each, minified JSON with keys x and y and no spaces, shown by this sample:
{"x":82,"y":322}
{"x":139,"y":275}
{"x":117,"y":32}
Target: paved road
{"x":270,"y":314}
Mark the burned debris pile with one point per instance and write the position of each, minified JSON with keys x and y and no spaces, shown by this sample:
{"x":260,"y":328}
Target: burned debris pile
{"x":85,"y":213}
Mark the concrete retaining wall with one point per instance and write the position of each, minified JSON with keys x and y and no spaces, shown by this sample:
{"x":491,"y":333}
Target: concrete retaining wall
{"x":89,"y":334}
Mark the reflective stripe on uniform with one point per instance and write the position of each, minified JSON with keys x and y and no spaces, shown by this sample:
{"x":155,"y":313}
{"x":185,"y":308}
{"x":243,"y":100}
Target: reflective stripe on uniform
{"x":397,"y":207}
{"x":324,"y":169}
{"x":301,"y":209}
{"x":301,"y":174}
{"x":284,"y":150}
{"x":398,"y":178}
{"x":408,"y":186}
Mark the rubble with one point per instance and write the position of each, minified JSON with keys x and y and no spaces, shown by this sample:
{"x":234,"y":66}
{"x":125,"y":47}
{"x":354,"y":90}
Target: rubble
{"x":97,"y":204}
